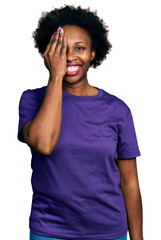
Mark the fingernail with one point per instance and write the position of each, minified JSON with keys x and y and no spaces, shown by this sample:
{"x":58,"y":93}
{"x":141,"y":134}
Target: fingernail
{"x":60,"y":29}
{"x":54,"y":33}
{"x":64,"y":37}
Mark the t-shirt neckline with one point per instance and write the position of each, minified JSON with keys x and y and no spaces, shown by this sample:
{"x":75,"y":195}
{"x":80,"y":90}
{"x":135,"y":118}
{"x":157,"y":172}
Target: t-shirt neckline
{"x":82,"y":98}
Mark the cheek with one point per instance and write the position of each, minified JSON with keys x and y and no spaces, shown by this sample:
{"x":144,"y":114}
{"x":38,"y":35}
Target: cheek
{"x":85,"y":56}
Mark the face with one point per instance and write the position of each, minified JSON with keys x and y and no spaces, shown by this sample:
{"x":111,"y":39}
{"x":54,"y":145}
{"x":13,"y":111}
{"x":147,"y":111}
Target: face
{"x":78,"y":53}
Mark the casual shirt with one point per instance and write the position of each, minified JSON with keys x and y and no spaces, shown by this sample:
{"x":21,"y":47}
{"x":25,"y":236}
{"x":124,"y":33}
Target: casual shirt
{"x":76,"y":189}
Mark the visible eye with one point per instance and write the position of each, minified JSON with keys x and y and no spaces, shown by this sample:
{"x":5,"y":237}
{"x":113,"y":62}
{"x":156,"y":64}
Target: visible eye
{"x":79,"y":48}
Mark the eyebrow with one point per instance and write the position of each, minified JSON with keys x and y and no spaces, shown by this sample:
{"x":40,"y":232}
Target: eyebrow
{"x":81,"y":42}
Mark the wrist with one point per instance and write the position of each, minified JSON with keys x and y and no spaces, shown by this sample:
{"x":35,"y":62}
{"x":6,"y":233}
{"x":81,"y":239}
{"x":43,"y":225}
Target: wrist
{"x":57,"y":78}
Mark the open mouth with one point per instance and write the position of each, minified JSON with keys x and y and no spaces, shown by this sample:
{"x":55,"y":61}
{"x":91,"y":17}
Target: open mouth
{"x":73,"y":70}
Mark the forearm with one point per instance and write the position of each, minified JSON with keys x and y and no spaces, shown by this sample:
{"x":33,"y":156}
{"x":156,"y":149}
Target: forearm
{"x":133,"y":203}
{"x":44,"y":130}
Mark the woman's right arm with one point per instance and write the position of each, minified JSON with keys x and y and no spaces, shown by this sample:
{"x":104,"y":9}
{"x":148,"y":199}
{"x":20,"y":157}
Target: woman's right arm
{"x":42,"y":133}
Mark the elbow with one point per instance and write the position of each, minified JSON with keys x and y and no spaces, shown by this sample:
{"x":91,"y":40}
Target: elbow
{"x":43,"y":149}
{"x":46,"y":152}
{"x":40,"y":147}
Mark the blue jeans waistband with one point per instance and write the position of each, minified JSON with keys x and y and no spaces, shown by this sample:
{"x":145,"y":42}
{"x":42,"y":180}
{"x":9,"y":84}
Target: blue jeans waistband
{"x":34,"y":236}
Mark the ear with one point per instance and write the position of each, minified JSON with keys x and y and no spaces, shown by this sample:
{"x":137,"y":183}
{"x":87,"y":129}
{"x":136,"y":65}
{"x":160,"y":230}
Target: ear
{"x":93,"y":54}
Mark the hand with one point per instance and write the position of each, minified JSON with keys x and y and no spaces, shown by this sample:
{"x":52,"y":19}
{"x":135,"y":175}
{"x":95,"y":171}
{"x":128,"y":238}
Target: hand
{"x":55,"y":55}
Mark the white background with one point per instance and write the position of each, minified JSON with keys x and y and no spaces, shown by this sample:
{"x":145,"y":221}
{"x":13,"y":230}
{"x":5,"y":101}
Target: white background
{"x":131,"y":72}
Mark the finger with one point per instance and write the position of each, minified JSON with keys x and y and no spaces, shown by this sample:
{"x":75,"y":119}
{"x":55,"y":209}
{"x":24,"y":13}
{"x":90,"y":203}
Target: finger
{"x":46,"y":57}
{"x":64,"y":45}
{"x":54,"y":43}
{"x":49,"y":44}
{"x":59,"y":42}
{"x":46,"y":53}
{"x":46,"y":62}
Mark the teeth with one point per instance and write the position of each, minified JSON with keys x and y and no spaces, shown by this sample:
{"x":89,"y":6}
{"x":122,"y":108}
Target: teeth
{"x":72,"y":68}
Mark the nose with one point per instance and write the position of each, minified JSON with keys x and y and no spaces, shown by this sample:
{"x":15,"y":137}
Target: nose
{"x":71,"y":55}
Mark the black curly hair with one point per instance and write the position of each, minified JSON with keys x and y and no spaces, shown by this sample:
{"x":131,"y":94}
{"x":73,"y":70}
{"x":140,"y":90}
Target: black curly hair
{"x":70,"y":15}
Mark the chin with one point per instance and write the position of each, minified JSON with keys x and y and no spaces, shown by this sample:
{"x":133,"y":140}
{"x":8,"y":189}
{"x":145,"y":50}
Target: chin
{"x":72,"y":78}
{"x":75,"y":78}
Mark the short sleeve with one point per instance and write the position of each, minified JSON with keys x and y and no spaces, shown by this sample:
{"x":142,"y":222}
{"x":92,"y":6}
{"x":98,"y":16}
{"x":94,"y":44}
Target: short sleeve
{"x":127,"y":139}
{"x":28,"y":108}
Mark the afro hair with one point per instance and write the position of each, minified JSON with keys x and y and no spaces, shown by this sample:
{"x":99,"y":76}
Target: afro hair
{"x":70,"y":15}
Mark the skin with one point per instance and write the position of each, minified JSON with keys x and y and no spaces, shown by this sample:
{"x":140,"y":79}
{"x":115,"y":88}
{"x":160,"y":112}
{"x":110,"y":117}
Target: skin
{"x":78,"y":85}
{"x":129,"y":185}
{"x":42,"y":133}
{"x":76,"y":53}
{"x":43,"y":139}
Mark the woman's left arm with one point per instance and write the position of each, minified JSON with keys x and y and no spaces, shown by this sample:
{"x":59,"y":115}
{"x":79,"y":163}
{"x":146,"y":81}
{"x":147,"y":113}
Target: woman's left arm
{"x":129,"y":185}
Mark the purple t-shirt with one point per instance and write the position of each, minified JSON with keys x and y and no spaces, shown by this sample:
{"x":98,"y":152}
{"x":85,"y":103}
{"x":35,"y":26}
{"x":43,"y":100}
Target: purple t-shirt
{"x":76,"y":192}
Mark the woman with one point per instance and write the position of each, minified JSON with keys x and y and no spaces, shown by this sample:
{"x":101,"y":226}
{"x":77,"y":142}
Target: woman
{"x":82,"y":138}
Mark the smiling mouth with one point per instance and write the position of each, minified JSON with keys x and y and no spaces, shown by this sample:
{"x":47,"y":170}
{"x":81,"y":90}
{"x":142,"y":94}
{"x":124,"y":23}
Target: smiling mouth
{"x":73,"y":70}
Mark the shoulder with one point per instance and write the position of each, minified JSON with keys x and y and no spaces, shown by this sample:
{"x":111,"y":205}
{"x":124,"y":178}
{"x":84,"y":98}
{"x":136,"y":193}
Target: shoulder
{"x":117,"y":104}
{"x":36,"y":93}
